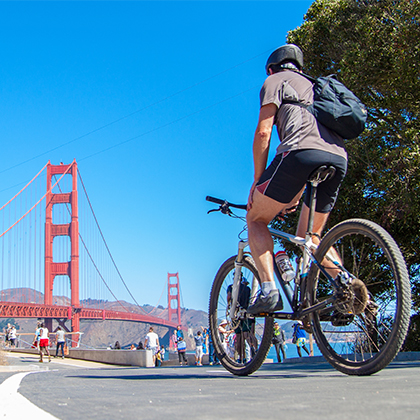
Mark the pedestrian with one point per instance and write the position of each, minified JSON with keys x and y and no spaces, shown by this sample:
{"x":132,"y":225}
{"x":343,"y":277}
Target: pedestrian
{"x":60,"y":340}
{"x":12,"y":336}
{"x":7,"y":336}
{"x":206,"y":340}
{"x":36,"y":336}
{"x":182,"y":348}
{"x":225,"y":337}
{"x":162,"y":352}
{"x":246,"y":344}
{"x":212,"y":355}
{"x":140,"y":346}
{"x":152,"y":343}
{"x":299,"y":338}
{"x":179,"y":333}
{"x":304,"y":146}
{"x":44,"y":342}
{"x":160,"y":356}
{"x":172,"y":341}
{"x":279,"y":341}
{"x":199,"y":340}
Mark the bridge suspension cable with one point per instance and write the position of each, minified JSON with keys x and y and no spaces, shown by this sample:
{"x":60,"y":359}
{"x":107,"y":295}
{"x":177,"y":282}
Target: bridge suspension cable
{"x":39,"y":201}
{"x":106,"y":245}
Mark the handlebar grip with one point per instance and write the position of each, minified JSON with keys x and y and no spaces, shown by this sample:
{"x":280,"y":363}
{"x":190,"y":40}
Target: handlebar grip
{"x":221,"y":202}
{"x":215,"y":200}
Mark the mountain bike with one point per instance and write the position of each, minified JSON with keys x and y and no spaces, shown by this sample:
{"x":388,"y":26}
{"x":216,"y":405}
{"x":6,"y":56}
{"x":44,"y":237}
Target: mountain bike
{"x":351,"y":291}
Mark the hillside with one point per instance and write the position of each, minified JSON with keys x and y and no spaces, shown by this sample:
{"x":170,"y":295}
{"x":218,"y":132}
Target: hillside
{"x":101,"y":334}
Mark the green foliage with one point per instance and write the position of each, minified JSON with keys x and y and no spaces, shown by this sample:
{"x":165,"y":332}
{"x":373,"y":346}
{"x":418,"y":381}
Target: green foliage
{"x":412,"y":342}
{"x":373,"y":46}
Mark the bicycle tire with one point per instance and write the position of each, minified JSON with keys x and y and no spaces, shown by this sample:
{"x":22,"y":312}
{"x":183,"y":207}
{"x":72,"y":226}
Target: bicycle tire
{"x":362,"y":335}
{"x":219,"y":310}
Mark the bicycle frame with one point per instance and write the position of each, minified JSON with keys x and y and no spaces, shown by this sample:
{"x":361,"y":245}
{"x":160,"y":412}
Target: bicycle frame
{"x":292,"y":295}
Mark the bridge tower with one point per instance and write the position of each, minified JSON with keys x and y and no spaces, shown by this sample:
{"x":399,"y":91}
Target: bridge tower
{"x":174,"y":307}
{"x":70,"y":268}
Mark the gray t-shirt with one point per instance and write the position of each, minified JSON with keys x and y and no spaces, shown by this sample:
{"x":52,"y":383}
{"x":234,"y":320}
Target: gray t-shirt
{"x":297,"y":128}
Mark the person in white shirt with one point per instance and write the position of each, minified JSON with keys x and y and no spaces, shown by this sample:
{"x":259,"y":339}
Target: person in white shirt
{"x":12,"y":336}
{"x":60,"y":339}
{"x":44,"y":342}
{"x":152,"y":343}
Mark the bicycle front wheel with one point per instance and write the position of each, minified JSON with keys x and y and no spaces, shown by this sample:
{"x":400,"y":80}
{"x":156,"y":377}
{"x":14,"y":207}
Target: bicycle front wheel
{"x":241,"y":345}
{"x":362,"y":330}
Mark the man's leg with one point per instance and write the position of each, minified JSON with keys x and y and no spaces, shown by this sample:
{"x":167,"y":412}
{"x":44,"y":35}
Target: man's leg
{"x":283,"y":351}
{"x":263,"y":210}
{"x":319,"y":222}
{"x":277,"y":347}
{"x":210,"y":349}
{"x":47,"y":352}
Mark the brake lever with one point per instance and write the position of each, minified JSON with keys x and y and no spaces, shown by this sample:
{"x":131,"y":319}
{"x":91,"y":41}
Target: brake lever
{"x":224,"y":208}
{"x":211,"y":211}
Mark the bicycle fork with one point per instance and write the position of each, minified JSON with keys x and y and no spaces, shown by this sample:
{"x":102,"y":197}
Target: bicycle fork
{"x":238,"y":277}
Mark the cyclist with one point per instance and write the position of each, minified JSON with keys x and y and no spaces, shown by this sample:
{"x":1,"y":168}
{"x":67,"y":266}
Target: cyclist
{"x":304,"y":146}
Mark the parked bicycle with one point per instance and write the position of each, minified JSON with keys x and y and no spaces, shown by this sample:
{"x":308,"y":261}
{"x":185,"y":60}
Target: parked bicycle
{"x":352,"y":291}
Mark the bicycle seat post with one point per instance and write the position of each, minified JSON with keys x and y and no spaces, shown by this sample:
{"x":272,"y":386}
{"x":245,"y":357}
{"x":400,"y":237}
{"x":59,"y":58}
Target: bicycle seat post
{"x":312,"y":202}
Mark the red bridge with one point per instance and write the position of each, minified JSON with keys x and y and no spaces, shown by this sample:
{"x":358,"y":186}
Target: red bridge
{"x":42,"y":244}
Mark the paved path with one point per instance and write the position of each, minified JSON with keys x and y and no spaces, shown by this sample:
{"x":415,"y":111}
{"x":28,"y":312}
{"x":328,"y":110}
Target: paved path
{"x":72,"y":389}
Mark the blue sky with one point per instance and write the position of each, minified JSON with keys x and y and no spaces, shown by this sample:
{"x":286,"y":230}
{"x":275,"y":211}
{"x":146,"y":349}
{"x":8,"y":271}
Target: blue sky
{"x":157,"y":102}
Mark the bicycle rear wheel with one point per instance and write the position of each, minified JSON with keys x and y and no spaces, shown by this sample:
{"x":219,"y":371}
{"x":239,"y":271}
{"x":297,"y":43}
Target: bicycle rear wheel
{"x":244,"y":350}
{"x":363,"y":329}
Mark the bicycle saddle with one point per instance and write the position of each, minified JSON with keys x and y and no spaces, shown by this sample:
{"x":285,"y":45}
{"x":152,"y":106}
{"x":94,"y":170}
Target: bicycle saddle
{"x":322,"y":173}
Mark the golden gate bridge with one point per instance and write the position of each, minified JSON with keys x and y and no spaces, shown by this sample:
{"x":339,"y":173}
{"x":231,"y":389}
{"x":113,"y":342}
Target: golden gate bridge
{"x":50,"y":240}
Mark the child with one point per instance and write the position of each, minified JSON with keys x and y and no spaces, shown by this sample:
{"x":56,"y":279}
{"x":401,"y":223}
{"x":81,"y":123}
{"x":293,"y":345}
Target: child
{"x":198,"y":348}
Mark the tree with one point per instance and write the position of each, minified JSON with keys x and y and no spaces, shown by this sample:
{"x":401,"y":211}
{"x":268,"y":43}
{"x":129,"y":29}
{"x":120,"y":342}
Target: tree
{"x":373,"y":47}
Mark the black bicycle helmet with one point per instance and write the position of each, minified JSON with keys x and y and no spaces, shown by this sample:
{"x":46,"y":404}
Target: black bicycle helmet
{"x":289,"y":53}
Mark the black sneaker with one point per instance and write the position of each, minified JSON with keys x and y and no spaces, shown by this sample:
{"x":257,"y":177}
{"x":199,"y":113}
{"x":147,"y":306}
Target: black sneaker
{"x":265,"y":304}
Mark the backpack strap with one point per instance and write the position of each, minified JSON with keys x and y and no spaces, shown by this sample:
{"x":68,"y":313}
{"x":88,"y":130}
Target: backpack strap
{"x":292,"y":102}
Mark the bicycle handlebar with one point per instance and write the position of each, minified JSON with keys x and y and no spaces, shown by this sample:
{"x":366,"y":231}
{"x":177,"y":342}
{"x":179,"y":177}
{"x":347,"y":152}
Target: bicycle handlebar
{"x":225,"y":203}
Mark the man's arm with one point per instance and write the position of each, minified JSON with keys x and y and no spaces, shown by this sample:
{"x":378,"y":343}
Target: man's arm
{"x":261,"y":145}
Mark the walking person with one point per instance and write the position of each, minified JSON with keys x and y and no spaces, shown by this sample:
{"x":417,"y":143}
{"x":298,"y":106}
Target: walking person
{"x":305,"y":144}
{"x":172,"y":341}
{"x":44,"y":342}
{"x":212,"y":356}
{"x":182,"y":348}
{"x":12,"y":337}
{"x":206,"y":340}
{"x":199,"y":340}
{"x":37,"y":335}
{"x":60,"y":340}
{"x":179,"y":333}
{"x":152,"y":343}
{"x":299,"y":338}
{"x":7,"y":336}
{"x":278,"y":341}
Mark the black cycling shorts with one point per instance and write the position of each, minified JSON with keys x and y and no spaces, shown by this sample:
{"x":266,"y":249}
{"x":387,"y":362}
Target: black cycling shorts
{"x":289,"y":172}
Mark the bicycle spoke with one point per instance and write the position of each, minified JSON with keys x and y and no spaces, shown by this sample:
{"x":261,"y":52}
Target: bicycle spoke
{"x":363,"y":329}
